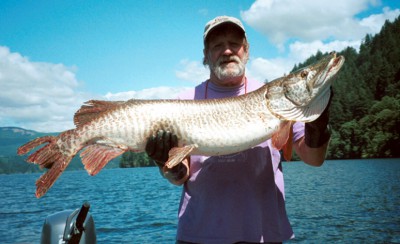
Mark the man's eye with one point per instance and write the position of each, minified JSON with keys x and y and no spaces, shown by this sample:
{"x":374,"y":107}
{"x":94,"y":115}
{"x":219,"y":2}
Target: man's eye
{"x":216,"y":47}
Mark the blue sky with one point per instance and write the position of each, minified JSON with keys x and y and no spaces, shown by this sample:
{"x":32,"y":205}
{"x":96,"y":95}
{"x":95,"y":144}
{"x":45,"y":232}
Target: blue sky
{"x":54,"y":55}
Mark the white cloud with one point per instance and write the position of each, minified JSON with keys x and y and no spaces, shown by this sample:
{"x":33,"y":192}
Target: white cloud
{"x":262,"y":69}
{"x":162,"y":92}
{"x":269,"y":69}
{"x":310,"y":20}
{"x":45,"y":96}
{"x":36,"y":95}
{"x":300,"y":51}
{"x":374,"y":22}
{"x":203,"y":12}
{"x":192,"y":71}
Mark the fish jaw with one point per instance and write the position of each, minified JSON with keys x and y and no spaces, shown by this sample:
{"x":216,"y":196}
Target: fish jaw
{"x":304,"y":94}
{"x":313,"y":81}
{"x":323,"y":81}
{"x":333,"y":64}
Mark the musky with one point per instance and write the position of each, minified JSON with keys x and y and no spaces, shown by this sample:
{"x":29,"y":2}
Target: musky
{"x":54,"y":55}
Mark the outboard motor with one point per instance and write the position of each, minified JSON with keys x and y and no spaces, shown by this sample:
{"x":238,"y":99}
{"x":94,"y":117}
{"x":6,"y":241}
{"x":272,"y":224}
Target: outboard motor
{"x":69,"y":227}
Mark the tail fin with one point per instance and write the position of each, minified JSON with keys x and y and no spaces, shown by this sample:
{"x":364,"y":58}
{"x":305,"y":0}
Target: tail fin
{"x":50,"y":156}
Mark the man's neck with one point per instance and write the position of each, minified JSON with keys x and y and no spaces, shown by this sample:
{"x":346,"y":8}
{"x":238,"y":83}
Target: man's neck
{"x":230,"y":82}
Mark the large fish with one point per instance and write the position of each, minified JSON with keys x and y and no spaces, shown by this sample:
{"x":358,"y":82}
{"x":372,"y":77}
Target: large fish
{"x":106,"y":129}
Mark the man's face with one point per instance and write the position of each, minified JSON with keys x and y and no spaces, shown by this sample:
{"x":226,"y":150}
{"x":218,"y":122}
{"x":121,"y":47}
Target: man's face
{"x":227,"y":55}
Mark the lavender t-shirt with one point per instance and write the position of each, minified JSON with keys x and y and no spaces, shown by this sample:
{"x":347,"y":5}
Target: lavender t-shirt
{"x":237,"y":197}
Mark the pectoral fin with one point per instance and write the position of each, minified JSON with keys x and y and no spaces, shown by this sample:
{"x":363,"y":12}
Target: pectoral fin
{"x":288,"y":147}
{"x":177,"y":154}
{"x":283,"y":139}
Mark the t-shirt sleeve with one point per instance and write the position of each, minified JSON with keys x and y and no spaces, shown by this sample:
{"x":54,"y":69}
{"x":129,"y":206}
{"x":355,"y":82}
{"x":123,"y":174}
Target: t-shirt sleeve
{"x":298,"y":131}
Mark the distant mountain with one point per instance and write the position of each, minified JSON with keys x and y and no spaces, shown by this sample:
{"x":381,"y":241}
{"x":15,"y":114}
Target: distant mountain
{"x":13,"y":137}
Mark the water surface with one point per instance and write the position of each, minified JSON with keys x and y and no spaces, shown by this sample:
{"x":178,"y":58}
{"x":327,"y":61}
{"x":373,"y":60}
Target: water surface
{"x":342,"y":201}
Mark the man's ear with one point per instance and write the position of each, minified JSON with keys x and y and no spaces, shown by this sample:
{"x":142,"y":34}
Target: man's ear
{"x":247,"y":56}
{"x":247,"y":52}
{"x":205,"y":58}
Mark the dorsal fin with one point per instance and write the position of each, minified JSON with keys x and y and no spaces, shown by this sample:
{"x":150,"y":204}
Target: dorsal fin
{"x":91,"y":109}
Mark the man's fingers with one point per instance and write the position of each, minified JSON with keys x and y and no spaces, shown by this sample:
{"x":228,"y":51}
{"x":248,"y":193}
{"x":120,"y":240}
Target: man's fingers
{"x":151,"y":145}
{"x":166,"y":146}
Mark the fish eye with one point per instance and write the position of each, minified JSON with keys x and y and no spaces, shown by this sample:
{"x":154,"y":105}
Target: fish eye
{"x":304,"y":74}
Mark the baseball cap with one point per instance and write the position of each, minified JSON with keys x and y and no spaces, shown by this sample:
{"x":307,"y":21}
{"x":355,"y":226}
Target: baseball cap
{"x":221,"y":20}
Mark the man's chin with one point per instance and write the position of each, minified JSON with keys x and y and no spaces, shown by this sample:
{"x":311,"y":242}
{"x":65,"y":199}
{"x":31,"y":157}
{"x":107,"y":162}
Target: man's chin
{"x":228,"y":75}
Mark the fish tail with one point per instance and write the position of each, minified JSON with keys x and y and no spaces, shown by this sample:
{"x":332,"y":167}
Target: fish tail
{"x":44,"y":157}
{"x":50,"y":156}
{"x":34,"y":143}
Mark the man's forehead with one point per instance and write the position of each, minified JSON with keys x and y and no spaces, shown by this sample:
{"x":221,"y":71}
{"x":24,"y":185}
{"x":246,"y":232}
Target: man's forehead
{"x":226,"y":30}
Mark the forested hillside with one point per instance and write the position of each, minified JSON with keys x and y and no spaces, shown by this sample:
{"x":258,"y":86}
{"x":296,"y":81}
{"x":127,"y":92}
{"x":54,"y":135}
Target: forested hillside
{"x":10,"y":138}
{"x":365,"y":110}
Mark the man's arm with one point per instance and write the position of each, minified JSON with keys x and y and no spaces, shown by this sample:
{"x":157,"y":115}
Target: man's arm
{"x":313,"y":146}
{"x":311,"y":156}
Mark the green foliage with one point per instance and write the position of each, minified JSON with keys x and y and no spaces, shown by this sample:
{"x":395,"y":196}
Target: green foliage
{"x":131,"y":160}
{"x":381,"y":134}
{"x":365,"y":107}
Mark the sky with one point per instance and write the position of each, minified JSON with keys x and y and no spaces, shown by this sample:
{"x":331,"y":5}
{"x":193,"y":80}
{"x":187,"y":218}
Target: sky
{"x":55,"y":55}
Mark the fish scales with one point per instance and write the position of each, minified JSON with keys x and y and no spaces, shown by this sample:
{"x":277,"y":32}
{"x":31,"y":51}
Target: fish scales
{"x":105,"y":130}
{"x":221,"y":123}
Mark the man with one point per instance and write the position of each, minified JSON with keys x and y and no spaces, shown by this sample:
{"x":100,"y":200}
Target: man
{"x":236,"y":198}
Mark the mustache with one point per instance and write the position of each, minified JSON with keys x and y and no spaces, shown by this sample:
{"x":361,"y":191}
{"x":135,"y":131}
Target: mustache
{"x":225,"y":59}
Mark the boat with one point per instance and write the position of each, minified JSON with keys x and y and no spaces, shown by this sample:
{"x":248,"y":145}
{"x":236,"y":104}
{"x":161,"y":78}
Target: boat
{"x":69,"y":227}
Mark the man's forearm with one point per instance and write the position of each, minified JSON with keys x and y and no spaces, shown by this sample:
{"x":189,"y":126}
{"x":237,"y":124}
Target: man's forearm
{"x":312,"y":156}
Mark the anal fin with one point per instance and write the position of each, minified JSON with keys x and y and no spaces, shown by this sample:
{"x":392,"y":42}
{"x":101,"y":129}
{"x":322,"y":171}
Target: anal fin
{"x":96,"y":156}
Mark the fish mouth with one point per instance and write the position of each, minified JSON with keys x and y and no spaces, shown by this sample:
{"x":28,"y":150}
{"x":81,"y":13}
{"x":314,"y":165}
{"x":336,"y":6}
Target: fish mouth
{"x":304,"y":94}
{"x":333,"y":65}
{"x":336,"y":61}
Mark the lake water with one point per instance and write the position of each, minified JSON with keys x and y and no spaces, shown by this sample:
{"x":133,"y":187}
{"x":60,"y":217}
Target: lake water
{"x":352,"y":201}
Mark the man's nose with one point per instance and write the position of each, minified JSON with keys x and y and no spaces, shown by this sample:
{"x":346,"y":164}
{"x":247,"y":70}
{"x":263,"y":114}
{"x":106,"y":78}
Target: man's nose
{"x":227,"y":50}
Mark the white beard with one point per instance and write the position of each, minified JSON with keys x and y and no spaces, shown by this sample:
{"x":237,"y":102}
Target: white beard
{"x":221,"y":71}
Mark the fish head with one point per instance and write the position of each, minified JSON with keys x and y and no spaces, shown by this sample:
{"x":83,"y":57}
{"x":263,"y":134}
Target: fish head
{"x":304,"y":94}
{"x":312,"y":82}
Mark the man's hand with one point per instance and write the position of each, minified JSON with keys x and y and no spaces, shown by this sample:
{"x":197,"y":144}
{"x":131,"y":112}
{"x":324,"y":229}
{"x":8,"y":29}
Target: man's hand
{"x":158,"y":146}
{"x":317,"y":132}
